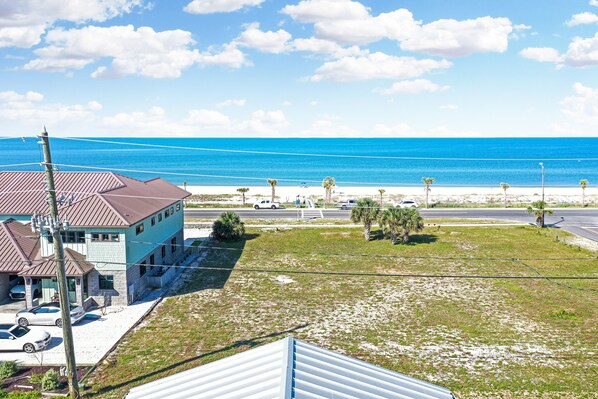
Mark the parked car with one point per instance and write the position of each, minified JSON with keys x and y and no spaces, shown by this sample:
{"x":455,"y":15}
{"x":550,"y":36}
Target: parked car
{"x":407,"y":204}
{"x":266,"y":204}
{"x":18,"y":291}
{"x":47,"y":314}
{"x":15,"y":338}
{"x":348,"y":204}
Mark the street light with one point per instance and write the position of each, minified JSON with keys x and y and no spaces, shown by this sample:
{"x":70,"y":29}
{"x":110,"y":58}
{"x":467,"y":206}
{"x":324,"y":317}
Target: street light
{"x":542,"y":165}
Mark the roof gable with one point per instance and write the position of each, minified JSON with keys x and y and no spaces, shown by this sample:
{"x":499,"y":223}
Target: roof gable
{"x":18,"y":246}
{"x":289,"y":369}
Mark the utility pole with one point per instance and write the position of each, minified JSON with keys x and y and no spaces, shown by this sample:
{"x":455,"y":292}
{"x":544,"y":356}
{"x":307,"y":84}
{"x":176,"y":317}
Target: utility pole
{"x":55,"y":227}
{"x":543,"y":203}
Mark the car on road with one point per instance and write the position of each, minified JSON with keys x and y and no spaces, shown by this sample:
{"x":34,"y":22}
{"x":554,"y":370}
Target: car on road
{"x":266,"y":204}
{"x":47,"y":314}
{"x":407,"y":204}
{"x":348,"y":204}
{"x":18,"y":291}
{"x":14,"y":337}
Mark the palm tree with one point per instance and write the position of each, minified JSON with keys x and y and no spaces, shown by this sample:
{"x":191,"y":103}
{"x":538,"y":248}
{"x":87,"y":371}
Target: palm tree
{"x":381,"y":191}
{"x":366,"y":211}
{"x":273,"y":183}
{"x":328,"y":183}
{"x":538,"y":208}
{"x":228,"y":227}
{"x":243,"y":190}
{"x":400,"y":222}
{"x":583,"y":183}
{"x":428,"y":181}
{"x":505,"y":187}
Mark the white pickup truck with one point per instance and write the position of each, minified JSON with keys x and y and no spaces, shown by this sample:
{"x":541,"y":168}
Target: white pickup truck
{"x":266,"y":204}
{"x":348,"y":204}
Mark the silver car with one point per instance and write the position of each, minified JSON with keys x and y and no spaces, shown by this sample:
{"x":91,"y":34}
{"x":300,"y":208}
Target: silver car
{"x":47,"y":314}
{"x":15,"y":338}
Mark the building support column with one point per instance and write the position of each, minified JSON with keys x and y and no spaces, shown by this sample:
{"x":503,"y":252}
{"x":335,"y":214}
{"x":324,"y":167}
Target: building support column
{"x":79,"y":290}
{"x":28,"y":292}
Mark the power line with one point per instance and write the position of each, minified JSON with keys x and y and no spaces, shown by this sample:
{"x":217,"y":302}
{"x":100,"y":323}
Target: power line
{"x":320,"y":155}
{"x":550,"y":279}
{"x":19,"y":164}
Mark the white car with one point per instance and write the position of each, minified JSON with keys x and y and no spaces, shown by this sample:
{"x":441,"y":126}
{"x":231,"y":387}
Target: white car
{"x":18,"y":291}
{"x":47,"y":314}
{"x":407,"y":204}
{"x":266,"y":204}
{"x":14,"y":337}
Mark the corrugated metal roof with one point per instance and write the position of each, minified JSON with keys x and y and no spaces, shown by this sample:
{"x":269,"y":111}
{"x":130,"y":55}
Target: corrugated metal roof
{"x":74,"y":262}
{"x":18,"y":246}
{"x":289,"y":369}
{"x":102,"y":199}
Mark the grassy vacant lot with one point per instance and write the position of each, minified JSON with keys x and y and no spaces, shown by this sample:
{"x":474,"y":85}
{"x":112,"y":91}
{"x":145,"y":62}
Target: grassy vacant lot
{"x":482,"y":338}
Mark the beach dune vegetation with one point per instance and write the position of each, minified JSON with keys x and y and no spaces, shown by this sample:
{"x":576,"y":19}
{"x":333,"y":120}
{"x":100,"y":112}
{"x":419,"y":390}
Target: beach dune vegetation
{"x":366,"y":211}
{"x":428,"y":182}
{"x":228,"y":227}
{"x":398,"y":223}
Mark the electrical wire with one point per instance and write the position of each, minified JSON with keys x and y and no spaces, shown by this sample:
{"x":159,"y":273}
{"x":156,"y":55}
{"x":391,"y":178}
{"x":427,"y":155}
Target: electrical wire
{"x":18,"y":164}
{"x":320,"y":155}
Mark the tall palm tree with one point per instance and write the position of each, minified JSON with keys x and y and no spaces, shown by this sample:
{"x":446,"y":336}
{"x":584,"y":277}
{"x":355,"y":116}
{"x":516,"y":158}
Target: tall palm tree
{"x":428,"y":181}
{"x":583,"y":183}
{"x":400,"y":222}
{"x":505,"y":187}
{"x":381,"y":191}
{"x":273,"y":183}
{"x":538,"y":209}
{"x":243,"y":190}
{"x":366,"y":211}
{"x":328,"y":183}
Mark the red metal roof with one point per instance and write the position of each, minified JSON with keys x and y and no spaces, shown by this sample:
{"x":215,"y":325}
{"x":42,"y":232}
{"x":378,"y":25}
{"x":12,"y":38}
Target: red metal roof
{"x":102,"y":199}
{"x":18,"y":246}
{"x":74,"y":262}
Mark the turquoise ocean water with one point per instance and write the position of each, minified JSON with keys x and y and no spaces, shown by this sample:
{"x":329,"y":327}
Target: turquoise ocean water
{"x":353,"y":162}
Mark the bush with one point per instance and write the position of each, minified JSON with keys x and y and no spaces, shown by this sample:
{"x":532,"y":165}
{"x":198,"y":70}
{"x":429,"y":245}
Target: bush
{"x":50,"y":380}
{"x":7,"y":369}
{"x":228,"y":227}
{"x":20,"y":395}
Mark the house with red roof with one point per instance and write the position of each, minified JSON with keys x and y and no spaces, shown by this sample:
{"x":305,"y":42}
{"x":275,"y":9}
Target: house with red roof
{"x":122,"y":231}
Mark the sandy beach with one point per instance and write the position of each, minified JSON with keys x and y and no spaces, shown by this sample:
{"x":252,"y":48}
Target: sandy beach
{"x":459,"y":195}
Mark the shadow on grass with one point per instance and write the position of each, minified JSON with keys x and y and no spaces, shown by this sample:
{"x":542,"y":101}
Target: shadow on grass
{"x":249,"y":343}
{"x":422,"y":239}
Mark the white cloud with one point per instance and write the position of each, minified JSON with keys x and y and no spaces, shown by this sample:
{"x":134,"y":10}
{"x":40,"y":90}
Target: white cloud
{"x":594,"y":3}
{"x":322,"y":46}
{"x":214,"y":6}
{"x":405,"y":130}
{"x":206,"y":117}
{"x":580,"y":111}
{"x":238,"y":102}
{"x":541,"y":54}
{"x":376,"y":66}
{"x":329,"y":126}
{"x":582,"y":52}
{"x":228,"y":55}
{"x":265,"y":123}
{"x":401,"y":129}
{"x":413,"y":87}
{"x":449,"y":107}
{"x":350,"y":22}
{"x":141,"y":51}
{"x":584,"y":18}
{"x":30,"y":110}
{"x":23,"y":22}
{"x":267,"y":42}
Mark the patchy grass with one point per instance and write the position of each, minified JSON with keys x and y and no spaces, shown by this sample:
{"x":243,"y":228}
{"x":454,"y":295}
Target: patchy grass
{"x":482,"y":338}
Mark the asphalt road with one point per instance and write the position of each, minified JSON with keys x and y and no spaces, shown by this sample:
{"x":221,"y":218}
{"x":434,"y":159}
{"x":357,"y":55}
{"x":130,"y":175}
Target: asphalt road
{"x":583,"y":222}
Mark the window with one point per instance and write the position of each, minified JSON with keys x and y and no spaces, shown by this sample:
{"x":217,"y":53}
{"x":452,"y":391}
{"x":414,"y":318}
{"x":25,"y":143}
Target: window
{"x":152,"y":261}
{"x":139,"y":229}
{"x":178,"y":207}
{"x":70,"y":237}
{"x":172,"y":210}
{"x":142,"y":268}
{"x":163,"y":251}
{"x":105,"y":237}
{"x":153,"y":220}
{"x":167,"y":213}
{"x":173,"y":245}
{"x":5,"y":335}
{"x":106,"y":282}
{"x":160,"y":217}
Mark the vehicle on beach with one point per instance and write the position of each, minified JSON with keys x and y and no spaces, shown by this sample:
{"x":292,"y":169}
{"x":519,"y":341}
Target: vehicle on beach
{"x":14,"y":337}
{"x":18,"y":291}
{"x":47,"y":314}
{"x":348,"y":204}
{"x":407,"y":204}
{"x":266,"y":204}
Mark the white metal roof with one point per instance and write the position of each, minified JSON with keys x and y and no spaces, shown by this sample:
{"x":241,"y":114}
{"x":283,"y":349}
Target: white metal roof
{"x":289,"y":369}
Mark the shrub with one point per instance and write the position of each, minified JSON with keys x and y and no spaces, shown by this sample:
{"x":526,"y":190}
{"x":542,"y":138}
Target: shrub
{"x":20,"y":395}
{"x":228,"y":227}
{"x":50,"y":380}
{"x":7,"y":369}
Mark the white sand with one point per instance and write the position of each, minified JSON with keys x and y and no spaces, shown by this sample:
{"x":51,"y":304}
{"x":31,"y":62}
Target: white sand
{"x":570,"y":195}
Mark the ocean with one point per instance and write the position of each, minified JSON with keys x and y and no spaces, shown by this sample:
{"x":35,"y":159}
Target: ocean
{"x":352,"y":162}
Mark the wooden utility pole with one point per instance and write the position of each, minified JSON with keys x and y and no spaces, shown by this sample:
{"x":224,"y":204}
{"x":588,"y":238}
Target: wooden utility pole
{"x":65,"y":306}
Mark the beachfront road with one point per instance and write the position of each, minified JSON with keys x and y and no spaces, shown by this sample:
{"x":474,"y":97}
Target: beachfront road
{"x":583,"y":222}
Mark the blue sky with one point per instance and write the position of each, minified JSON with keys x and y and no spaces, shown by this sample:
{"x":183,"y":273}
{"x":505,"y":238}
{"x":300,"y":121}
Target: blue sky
{"x":311,"y":68}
